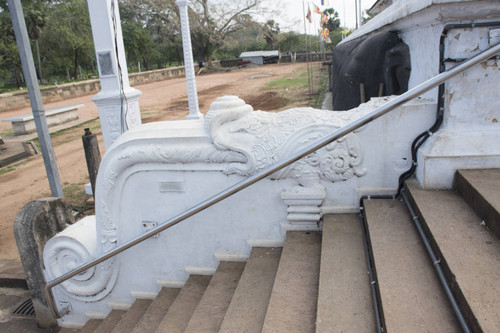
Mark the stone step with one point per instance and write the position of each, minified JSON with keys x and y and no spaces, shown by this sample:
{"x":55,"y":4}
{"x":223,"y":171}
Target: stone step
{"x":469,"y":254}
{"x":248,"y":306}
{"x":89,"y":327}
{"x":109,"y":323}
{"x":480,"y":189}
{"x":292,"y":306}
{"x":181,"y":310}
{"x":210,"y":312}
{"x":149,"y":322}
{"x":132,"y":316}
{"x":344,"y":297}
{"x":410,"y":292}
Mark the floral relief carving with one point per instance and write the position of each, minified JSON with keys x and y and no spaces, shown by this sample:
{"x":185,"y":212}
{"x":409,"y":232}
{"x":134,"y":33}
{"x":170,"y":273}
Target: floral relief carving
{"x":266,"y":138}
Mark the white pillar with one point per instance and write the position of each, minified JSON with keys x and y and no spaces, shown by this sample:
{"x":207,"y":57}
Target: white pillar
{"x":194,"y":111}
{"x":117,"y":102}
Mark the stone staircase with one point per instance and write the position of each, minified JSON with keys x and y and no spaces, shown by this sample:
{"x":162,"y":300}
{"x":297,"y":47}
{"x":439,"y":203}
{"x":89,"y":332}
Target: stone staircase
{"x":275,"y":291}
{"x":459,"y":225}
{"x":319,"y":281}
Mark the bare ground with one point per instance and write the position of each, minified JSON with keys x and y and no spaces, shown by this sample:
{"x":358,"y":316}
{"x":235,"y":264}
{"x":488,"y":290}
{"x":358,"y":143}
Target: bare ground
{"x":164,"y":100}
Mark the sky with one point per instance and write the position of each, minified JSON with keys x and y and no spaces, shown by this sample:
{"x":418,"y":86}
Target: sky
{"x":291,"y":13}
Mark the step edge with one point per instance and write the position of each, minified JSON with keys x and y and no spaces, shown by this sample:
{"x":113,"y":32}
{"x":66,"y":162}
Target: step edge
{"x":231,"y":257}
{"x":478,"y":202}
{"x":265,"y":242}
{"x":192,"y":270}
{"x":171,"y":283}
{"x":119,"y":306}
{"x":96,"y":315}
{"x":143,"y":294}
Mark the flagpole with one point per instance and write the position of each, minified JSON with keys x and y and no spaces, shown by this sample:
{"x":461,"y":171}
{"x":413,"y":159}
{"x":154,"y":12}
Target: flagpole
{"x":307,"y":49}
{"x":356,"y":10}
{"x":345,"y":24}
{"x":360,"y":14}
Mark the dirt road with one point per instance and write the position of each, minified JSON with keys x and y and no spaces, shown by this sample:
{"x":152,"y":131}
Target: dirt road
{"x":165,"y":100}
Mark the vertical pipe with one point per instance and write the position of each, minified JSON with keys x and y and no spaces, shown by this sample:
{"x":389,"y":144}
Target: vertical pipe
{"x":23,"y":45}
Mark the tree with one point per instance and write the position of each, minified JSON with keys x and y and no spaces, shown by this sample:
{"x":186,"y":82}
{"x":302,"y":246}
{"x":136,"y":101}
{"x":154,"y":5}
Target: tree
{"x":271,"y":31}
{"x":35,"y":13}
{"x":333,"y":22}
{"x":212,"y":22}
{"x":67,"y":37}
{"x":249,"y":38}
{"x":151,"y":32}
{"x":9,"y":57}
{"x":35,"y":17}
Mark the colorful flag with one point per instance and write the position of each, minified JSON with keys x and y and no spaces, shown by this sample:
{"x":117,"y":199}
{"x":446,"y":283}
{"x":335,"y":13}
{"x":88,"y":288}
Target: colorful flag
{"x":322,"y":2}
{"x":323,"y":33}
{"x":328,"y":40}
{"x":317,"y":10}
{"x":308,"y":16}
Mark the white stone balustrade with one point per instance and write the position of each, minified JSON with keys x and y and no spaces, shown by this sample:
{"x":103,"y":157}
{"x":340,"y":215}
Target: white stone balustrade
{"x":158,"y":170}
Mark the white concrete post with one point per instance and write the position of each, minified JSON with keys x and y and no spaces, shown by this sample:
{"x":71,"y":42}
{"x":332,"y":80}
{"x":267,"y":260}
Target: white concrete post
{"x":194,"y":111}
{"x":117,"y":102}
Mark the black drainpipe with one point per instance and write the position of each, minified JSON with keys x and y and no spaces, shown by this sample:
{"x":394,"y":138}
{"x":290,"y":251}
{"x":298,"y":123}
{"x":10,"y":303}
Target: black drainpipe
{"x":415,"y":146}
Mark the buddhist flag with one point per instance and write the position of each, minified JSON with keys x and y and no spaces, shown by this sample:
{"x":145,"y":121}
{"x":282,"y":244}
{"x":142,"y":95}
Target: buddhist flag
{"x":317,"y":10}
{"x":323,"y":33}
{"x":322,"y":2}
{"x":308,"y":16}
{"x":328,"y":40}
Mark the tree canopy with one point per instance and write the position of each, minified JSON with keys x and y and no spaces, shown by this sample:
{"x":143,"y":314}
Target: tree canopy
{"x":220,"y":29}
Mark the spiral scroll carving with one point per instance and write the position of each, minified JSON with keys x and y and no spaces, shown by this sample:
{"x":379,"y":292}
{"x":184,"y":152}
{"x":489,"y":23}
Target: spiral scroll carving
{"x":68,"y":250}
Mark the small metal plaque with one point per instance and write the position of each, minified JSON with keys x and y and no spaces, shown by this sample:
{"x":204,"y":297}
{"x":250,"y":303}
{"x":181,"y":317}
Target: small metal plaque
{"x":105,"y":63}
{"x":172,"y":186}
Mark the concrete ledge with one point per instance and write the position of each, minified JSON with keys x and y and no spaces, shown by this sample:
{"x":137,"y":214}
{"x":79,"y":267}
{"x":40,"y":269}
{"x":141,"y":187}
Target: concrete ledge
{"x":25,"y":124}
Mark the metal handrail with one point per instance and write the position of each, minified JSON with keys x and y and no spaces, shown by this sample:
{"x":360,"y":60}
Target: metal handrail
{"x":378,"y":112}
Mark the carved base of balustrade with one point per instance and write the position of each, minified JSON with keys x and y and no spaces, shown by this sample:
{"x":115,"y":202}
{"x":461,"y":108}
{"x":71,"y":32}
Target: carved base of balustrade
{"x":304,"y":203}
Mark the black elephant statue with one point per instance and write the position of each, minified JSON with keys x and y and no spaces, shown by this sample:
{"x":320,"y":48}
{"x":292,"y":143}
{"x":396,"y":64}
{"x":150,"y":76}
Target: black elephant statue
{"x":372,"y":66}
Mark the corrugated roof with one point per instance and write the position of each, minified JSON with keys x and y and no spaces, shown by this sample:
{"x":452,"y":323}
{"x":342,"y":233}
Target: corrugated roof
{"x":260,"y":54}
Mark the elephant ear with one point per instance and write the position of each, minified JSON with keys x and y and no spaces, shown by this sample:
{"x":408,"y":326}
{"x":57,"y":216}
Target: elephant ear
{"x":397,"y":68}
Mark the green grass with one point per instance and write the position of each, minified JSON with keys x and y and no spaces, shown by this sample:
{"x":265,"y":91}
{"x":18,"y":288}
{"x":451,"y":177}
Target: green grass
{"x":75,"y":194}
{"x":8,"y":132}
{"x":291,"y":82}
{"x":7,"y":169}
{"x":92,"y":125}
{"x":323,"y":85}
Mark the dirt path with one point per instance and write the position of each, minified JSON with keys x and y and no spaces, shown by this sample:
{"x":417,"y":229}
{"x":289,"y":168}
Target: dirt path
{"x":164,"y":100}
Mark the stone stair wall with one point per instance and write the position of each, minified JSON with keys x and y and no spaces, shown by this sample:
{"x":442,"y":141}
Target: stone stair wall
{"x":318,"y":281}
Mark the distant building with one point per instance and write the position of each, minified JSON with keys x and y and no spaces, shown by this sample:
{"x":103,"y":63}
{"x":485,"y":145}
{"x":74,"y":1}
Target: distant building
{"x":261,"y":57}
{"x":379,"y":6}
